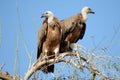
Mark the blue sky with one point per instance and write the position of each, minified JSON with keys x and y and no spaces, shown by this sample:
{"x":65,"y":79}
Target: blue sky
{"x":101,"y":26}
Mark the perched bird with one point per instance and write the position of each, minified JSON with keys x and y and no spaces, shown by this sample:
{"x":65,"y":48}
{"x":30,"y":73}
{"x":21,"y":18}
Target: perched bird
{"x":49,"y":39}
{"x":74,"y":28}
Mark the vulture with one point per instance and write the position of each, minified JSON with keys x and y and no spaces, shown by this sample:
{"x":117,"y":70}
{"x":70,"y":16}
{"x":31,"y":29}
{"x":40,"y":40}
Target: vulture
{"x":49,"y":39}
{"x":74,"y":28}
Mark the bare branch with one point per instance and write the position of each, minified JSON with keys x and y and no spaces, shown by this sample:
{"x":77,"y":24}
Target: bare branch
{"x":1,"y":67}
{"x":7,"y":76}
{"x":39,"y":64}
{"x":0,"y":32}
{"x":21,"y":34}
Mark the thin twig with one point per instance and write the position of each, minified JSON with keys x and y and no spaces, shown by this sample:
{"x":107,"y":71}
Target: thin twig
{"x":0,"y":32}
{"x":23,"y":40}
{"x":1,"y":67}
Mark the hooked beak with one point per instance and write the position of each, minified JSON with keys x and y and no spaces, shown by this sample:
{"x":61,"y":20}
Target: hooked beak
{"x":92,"y":12}
{"x":42,"y":16}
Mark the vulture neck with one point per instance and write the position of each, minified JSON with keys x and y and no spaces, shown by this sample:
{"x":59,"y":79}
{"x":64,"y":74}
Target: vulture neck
{"x":50,"y":20}
{"x":85,"y":16}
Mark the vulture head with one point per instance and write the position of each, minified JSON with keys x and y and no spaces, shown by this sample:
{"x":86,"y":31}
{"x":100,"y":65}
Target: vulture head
{"x":85,"y":11}
{"x":49,"y":16}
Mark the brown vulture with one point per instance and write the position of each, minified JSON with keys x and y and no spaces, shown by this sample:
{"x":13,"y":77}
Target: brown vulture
{"x":74,"y":28}
{"x":49,"y":39}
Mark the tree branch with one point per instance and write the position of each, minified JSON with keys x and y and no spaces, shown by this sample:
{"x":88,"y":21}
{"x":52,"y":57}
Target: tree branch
{"x":39,"y":64}
{"x":7,"y":76}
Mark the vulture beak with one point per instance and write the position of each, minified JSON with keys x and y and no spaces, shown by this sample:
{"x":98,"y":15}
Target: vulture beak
{"x":42,"y":16}
{"x":91,"y":11}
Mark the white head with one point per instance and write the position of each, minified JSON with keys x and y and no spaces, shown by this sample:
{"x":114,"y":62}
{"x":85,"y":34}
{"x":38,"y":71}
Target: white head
{"x":49,"y":15}
{"x":85,"y":11}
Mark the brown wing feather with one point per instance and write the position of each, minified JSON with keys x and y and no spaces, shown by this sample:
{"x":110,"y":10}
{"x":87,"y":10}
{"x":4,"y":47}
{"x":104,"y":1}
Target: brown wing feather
{"x":69,"y":24}
{"x":41,"y":38}
{"x":73,"y":30}
{"x":66,"y":24}
{"x":82,"y":31}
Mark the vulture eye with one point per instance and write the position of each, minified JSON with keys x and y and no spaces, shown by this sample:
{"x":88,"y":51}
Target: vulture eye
{"x":46,"y":12}
{"x":89,"y":9}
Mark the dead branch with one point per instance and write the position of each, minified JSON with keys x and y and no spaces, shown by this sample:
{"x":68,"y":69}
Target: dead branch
{"x":7,"y":76}
{"x":1,"y":67}
{"x":21,"y":34}
{"x":39,"y":64}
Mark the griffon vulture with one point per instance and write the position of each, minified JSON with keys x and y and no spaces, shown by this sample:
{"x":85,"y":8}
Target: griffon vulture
{"x":49,"y":39}
{"x":74,"y":28}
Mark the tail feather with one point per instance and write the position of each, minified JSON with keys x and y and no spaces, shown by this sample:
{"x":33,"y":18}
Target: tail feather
{"x":49,"y":69}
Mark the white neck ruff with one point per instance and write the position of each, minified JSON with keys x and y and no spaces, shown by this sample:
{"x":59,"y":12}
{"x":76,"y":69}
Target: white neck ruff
{"x":85,"y":16}
{"x":50,"y":20}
